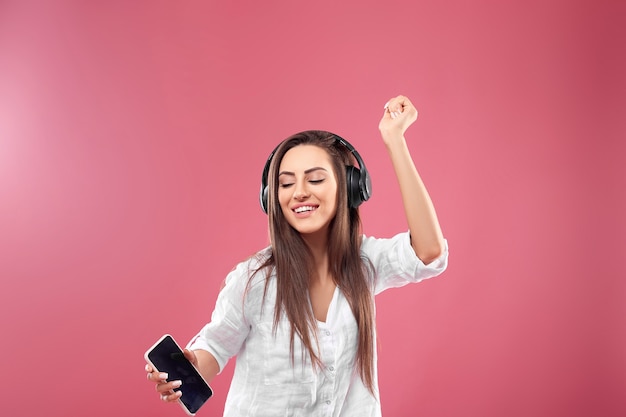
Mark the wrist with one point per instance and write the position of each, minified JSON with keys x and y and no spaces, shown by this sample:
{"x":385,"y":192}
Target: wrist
{"x":393,"y":138}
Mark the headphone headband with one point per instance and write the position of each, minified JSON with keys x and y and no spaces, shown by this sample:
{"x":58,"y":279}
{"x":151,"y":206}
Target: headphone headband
{"x":358,"y":180}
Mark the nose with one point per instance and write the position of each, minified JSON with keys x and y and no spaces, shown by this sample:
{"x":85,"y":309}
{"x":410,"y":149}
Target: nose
{"x":300,"y":192}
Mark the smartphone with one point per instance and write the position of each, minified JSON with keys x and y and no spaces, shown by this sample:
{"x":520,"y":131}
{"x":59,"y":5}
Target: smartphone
{"x":166,"y":356}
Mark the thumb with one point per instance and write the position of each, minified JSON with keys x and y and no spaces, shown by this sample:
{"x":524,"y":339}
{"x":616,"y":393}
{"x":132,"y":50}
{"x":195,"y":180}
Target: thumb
{"x":191,"y":357}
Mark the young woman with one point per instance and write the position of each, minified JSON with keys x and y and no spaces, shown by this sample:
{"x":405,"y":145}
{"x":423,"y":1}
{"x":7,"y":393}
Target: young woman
{"x":300,"y":314}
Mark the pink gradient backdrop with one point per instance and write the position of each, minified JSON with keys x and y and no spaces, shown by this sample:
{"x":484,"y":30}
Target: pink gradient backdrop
{"x":132,"y":138}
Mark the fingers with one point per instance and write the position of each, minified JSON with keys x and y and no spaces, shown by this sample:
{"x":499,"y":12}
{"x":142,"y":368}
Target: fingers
{"x":393,"y":109}
{"x":167,"y":390}
{"x":163,"y":387}
{"x":171,"y":396}
{"x":154,"y":375}
{"x":399,"y":105}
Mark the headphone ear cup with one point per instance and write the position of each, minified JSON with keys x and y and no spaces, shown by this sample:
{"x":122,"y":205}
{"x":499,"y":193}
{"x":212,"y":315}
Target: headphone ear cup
{"x":264,"y":191}
{"x":353,"y":180}
{"x":263,"y":198}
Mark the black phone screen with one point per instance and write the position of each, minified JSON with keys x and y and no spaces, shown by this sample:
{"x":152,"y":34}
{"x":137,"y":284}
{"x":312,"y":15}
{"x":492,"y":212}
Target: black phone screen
{"x":167,"y":356}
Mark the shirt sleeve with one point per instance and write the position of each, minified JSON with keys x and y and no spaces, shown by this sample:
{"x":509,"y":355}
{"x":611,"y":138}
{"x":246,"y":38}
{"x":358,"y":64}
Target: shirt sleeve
{"x":224,"y":335}
{"x":395,"y":264}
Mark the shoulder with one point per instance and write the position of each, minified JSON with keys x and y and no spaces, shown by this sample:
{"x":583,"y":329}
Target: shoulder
{"x":250,"y":271}
{"x":256,"y":260}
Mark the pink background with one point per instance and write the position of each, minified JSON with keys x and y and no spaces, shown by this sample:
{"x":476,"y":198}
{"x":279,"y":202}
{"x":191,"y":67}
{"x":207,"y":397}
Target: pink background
{"x":132,"y":139}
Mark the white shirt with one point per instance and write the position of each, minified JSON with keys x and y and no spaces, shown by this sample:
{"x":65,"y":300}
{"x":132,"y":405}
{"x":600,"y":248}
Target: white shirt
{"x":265,"y":382}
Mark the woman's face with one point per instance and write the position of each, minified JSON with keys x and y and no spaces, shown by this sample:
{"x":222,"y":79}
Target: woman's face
{"x":307,"y":189}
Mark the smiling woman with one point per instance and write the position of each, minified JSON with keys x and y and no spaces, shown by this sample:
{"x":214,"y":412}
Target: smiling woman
{"x":299,"y":315}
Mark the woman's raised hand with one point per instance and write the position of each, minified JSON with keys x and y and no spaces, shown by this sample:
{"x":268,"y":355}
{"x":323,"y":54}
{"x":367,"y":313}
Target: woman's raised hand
{"x":399,"y":115}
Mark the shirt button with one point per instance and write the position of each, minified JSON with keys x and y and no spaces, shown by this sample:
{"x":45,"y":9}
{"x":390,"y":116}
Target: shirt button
{"x":327,"y":332}
{"x":327,"y":402}
{"x":331,"y":368}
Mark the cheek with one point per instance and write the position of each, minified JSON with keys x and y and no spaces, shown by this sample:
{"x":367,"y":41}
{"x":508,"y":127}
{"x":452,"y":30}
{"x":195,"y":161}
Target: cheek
{"x":283,"y":198}
{"x":333,"y":198}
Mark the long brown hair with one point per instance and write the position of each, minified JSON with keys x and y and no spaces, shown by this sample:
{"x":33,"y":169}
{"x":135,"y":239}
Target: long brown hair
{"x":293,"y":262}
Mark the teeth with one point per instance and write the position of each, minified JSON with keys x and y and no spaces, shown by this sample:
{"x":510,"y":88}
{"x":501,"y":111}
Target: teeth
{"x":304,"y":208}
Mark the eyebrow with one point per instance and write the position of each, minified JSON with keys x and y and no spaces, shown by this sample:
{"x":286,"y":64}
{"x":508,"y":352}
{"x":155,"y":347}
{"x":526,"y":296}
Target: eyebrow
{"x":308,"y":171}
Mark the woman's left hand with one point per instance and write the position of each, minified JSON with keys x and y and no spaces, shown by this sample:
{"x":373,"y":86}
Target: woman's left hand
{"x":399,"y":115}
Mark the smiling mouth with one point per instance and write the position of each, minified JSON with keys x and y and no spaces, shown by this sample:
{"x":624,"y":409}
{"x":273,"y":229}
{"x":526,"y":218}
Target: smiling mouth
{"x":304,"y":209}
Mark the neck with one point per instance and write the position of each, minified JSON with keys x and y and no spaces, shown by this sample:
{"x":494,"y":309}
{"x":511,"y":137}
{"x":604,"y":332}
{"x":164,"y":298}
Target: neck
{"x":319,"y":249}
{"x":317,"y":243}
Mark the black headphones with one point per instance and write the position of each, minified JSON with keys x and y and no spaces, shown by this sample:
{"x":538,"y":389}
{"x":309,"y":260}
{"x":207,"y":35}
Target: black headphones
{"x":357,"y":179}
